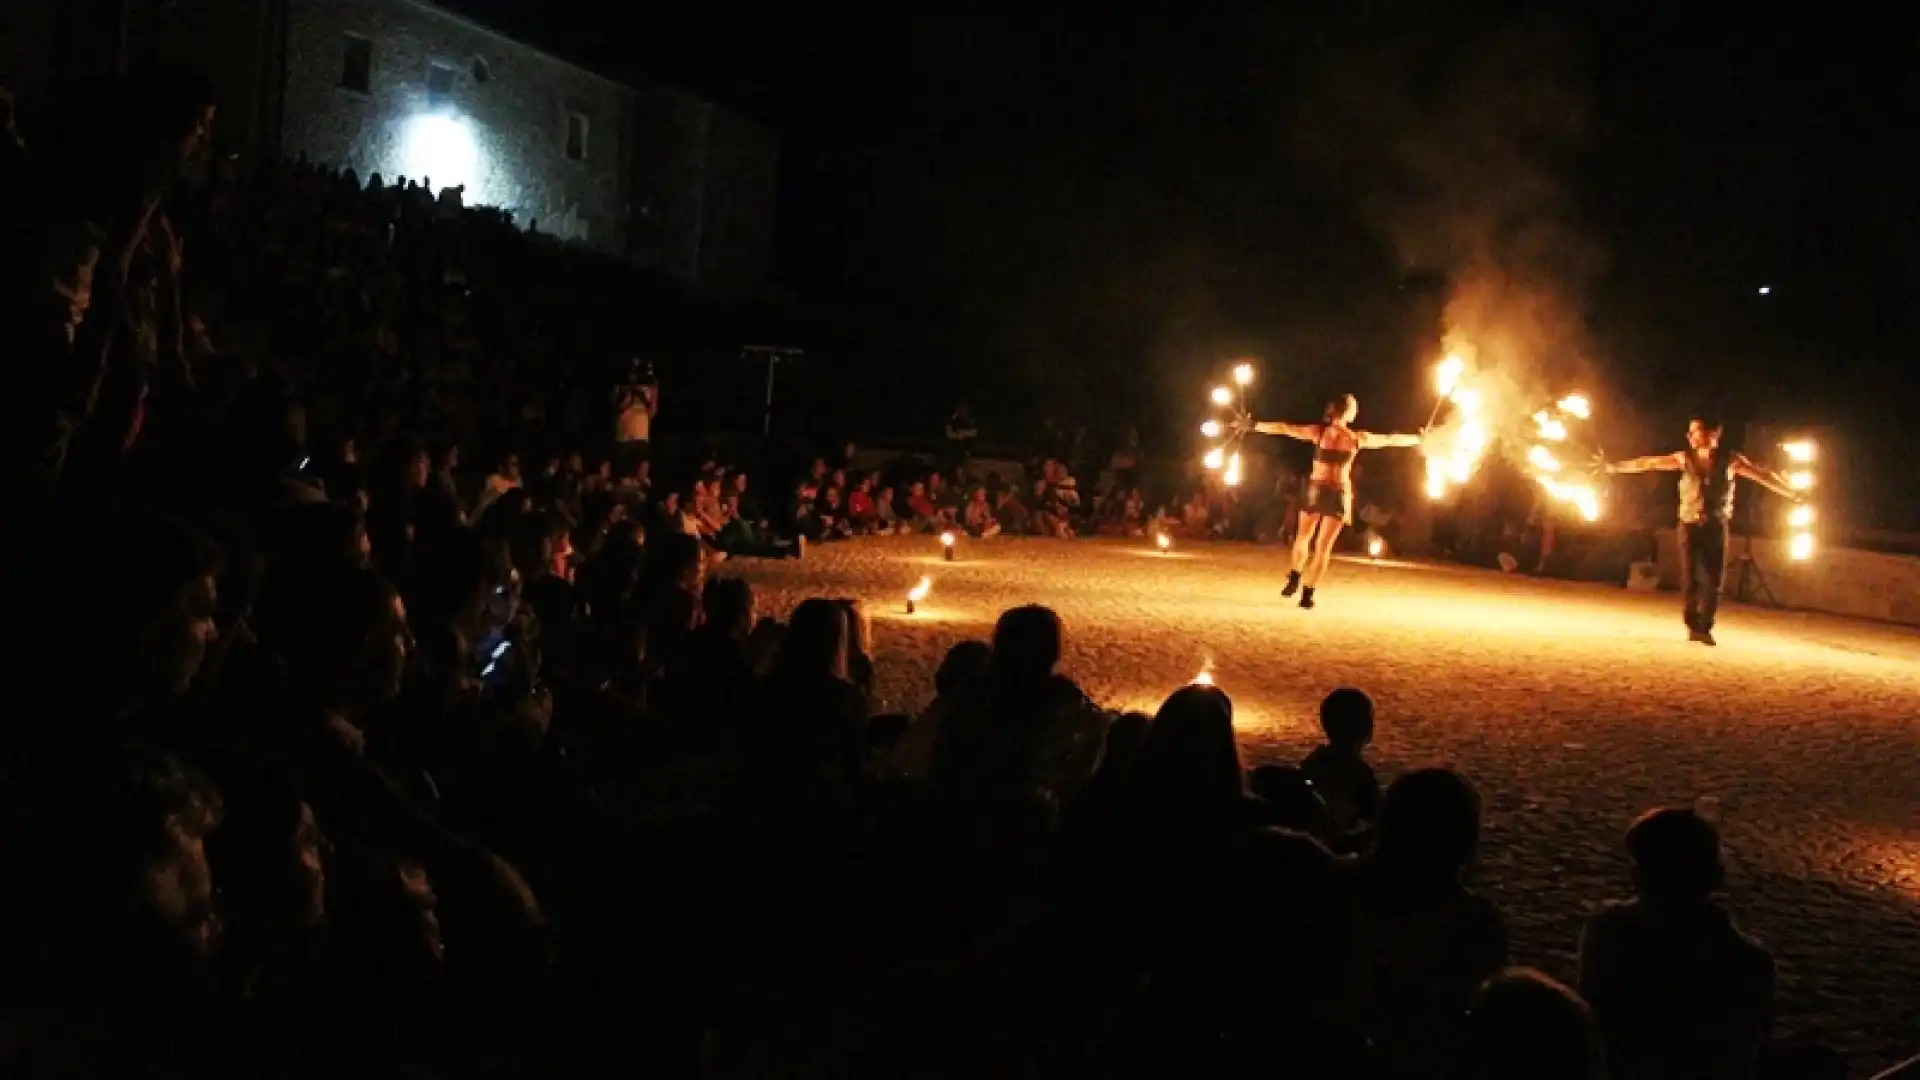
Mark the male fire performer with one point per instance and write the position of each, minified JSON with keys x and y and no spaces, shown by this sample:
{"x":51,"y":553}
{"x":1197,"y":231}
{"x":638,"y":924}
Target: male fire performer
{"x":1329,"y":503}
{"x":1707,"y":472}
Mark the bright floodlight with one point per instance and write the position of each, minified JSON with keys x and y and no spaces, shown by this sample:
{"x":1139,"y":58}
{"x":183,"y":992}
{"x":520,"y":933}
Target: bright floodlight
{"x":1800,"y":517}
{"x":1800,"y":481}
{"x":441,"y":148}
{"x":1801,"y":547}
{"x":1243,"y":373}
{"x":1766,"y":290}
{"x":1799,"y":450}
{"x":1222,"y":396}
{"x":1214,"y":459}
{"x":1211,"y":429}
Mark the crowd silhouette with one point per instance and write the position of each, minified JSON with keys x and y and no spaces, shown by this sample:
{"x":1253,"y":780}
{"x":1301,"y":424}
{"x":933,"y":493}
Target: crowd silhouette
{"x":322,"y":762}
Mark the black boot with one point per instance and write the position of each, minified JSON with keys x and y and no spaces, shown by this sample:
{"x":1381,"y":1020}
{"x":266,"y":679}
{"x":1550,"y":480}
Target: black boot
{"x":1306,"y":597}
{"x":1293,"y":583}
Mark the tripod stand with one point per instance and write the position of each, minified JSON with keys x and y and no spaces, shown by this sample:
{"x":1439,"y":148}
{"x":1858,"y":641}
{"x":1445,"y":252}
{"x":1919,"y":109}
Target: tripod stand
{"x":1749,"y":583}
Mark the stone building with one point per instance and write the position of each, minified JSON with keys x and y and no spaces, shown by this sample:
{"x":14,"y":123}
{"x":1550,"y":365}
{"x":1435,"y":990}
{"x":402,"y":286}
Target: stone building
{"x":407,"y":88}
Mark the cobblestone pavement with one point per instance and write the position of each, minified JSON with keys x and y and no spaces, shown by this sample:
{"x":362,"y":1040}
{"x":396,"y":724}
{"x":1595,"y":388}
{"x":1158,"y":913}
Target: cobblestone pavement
{"x":1573,"y":707}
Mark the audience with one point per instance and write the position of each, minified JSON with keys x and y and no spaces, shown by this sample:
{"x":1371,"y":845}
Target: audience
{"x":320,"y":762}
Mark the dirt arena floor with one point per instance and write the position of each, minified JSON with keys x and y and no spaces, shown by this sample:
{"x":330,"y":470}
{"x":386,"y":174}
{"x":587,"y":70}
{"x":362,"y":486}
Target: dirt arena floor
{"x":1572,"y":706}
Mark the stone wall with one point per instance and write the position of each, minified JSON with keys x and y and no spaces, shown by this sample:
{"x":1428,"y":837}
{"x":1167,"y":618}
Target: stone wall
{"x":1840,"y":581}
{"x":500,"y":128}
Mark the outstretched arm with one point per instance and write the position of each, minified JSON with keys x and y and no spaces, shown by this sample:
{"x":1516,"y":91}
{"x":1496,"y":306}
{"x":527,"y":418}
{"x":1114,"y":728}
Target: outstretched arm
{"x":1303,"y":432}
{"x":1763,"y":476}
{"x":1651,"y":463}
{"x":1374,"y":440}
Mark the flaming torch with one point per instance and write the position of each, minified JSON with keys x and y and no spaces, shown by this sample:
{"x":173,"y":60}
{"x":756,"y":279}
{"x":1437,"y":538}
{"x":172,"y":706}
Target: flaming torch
{"x":1162,"y":541}
{"x":947,"y":540}
{"x":1455,"y":453}
{"x":1550,"y":425}
{"x":1801,"y":454}
{"x":1226,"y":455}
{"x":918,"y":593}
{"x":1376,"y":547}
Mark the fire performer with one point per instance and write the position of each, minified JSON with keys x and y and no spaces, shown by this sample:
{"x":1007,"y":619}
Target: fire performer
{"x":1329,"y":503}
{"x":1707,"y":473}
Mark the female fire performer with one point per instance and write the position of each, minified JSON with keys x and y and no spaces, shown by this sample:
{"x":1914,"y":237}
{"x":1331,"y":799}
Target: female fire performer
{"x":1329,"y":503}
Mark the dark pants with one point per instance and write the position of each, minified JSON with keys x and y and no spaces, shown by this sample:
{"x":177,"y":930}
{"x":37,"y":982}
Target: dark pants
{"x":1703,"y":569}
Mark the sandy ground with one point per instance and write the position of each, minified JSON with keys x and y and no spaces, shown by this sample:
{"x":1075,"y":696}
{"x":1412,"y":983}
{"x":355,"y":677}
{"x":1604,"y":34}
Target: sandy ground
{"x":1573,"y":707}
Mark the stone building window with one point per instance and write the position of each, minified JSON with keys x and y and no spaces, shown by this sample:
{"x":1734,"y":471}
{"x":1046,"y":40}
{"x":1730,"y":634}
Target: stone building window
{"x":481,"y":73}
{"x":356,"y":64}
{"x":576,"y":136}
{"x":439,"y":85}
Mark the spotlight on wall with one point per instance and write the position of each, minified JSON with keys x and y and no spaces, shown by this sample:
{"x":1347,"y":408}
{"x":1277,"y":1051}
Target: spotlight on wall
{"x":442,"y":148}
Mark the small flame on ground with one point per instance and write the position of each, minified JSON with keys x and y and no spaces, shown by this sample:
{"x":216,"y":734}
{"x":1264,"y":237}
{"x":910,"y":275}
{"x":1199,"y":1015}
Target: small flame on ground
{"x":1222,"y":396}
{"x":1211,"y":429}
{"x":1376,"y":547}
{"x":946,"y":538}
{"x":1205,"y":678}
{"x":1163,"y":541}
{"x":919,"y":592}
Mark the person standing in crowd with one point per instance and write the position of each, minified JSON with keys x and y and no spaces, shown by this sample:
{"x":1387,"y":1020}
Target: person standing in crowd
{"x":635,"y":403}
{"x":1707,"y":472}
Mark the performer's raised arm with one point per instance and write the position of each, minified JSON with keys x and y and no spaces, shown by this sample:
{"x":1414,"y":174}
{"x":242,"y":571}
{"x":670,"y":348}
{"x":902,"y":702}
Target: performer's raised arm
{"x":1673,"y":462}
{"x":1303,"y":432}
{"x":1374,"y":440}
{"x":1765,"y":477}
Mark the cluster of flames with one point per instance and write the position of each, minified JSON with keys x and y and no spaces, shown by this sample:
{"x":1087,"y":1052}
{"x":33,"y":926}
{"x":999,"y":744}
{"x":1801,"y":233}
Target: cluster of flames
{"x":1801,"y":454}
{"x":1454,"y":452}
{"x":1225,"y":458}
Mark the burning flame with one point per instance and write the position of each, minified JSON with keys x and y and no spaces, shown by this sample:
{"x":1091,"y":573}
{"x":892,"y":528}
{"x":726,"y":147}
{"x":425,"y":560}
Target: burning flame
{"x":1163,"y":541}
{"x":1243,"y":374}
{"x":1446,"y":375}
{"x":946,"y":538}
{"x":1205,"y":678}
{"x":1211,"y":429}
{"x":1232,"y":477}
{"x":1222,"y":396}
{"x":1800,"y":548}
{"x":1800,"y":451}
{"x":1577,"y":405}
{"x":1800,"y":517}
{"x":1551,"y":427}
{"x":919,"y":592}
{"x":1800,"y":481}
{"x":1214,"y":458}
{"x":1540,"y":459}
{"x":1375,"y":547}
{"x":1581,"y":496}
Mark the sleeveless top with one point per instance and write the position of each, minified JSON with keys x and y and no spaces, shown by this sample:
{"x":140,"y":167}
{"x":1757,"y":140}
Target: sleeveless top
{"x":1706,"y":488}
{"x":1333,"y":454}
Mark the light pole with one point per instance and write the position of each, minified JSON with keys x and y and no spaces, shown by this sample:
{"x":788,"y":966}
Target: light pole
{"x":773,"y":355}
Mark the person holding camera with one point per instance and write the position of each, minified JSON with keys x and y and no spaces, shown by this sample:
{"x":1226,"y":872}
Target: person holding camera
{"x":634,"y":404}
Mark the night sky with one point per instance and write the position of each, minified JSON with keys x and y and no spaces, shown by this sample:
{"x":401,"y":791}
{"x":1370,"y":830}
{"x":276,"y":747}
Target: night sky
{"x":1085,"y":207}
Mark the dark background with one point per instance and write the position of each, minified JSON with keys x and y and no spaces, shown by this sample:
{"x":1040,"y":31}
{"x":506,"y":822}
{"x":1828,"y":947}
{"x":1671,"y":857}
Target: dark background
{"x":1084,"y":208}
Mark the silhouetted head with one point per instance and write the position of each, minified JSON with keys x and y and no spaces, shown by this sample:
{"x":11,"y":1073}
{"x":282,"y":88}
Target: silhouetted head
{"x":1676,"y":858}
{"x":1525,"y":1026}
{"x":1346,"y":715}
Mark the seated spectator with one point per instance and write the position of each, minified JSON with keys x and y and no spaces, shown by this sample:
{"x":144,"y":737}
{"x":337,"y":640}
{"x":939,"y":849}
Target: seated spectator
{"x":504,"y":479}
{"x":1677,"y":988}
{"x":1011,"y":512}
{"x":922,"y":514}
{"x":980,"y":520}
{"x":1339,"y":769}
{"x":963,"y":664}
{"x":1423,"y":942}
{"x":1525,"y":1026}
{"x":808,"y":736}
{"x":709,"y":690}
{"x":834,"y":523}
{"x":887,"y":517}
